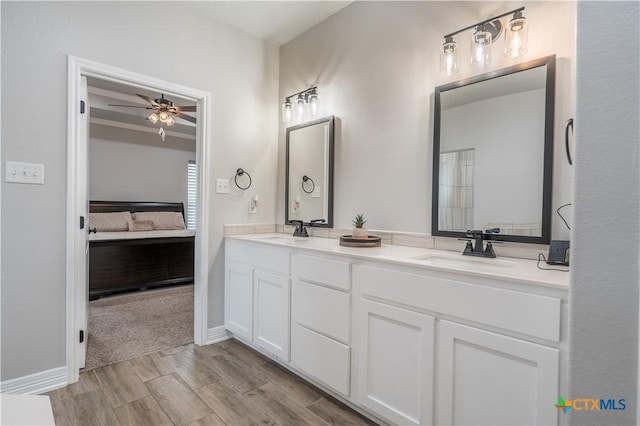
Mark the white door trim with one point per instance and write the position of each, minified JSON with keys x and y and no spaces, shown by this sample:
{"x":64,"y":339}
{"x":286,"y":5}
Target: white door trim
{"x":78,"y":67}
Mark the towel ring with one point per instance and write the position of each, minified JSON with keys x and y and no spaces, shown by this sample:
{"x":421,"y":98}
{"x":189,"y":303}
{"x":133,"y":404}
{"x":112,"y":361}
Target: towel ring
{"x":241,"y":172}
{"x":306,"y":179}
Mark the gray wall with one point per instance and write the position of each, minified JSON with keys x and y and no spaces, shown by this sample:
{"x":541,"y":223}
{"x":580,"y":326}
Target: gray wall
{"x":241,"y":73}
{"x":603,"y":298}
{"x":136,"y":166}
{"x":376,"y":65}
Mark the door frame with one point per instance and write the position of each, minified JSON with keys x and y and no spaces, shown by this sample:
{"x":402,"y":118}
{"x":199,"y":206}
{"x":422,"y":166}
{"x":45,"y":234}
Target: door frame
{"x":78,"y":67}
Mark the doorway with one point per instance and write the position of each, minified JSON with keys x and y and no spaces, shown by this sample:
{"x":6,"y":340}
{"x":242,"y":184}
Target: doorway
{"x":77,"y":197}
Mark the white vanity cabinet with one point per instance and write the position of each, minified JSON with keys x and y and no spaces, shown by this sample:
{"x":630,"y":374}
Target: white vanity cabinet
{"x":395,"y":366}
{"x":321,"y":320}
{"x":401,"y":341}
{"x":238,"y":306}
{"x":483,"y":377}
{"x":486,"y":378}
{"x":257,"y":290}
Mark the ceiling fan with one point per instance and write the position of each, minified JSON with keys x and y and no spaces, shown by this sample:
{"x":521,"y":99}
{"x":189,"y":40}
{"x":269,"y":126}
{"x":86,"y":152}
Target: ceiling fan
{"x":163,"y":110}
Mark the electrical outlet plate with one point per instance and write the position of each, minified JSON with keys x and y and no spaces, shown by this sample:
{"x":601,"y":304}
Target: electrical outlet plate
{"x":24,"y":173}
{"x":222,"y":186}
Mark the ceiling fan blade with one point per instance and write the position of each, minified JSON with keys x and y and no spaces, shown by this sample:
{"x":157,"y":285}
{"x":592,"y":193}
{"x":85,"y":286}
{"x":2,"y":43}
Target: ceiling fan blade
{"x":146,"y":98}
{"x":186,"y":117}
{"x":129,"y":106}
{"x":186,"y":108}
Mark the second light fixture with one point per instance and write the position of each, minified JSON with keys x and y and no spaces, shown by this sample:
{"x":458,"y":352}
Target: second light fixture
{"x":306,"y":102}
{"x":485,"y":34}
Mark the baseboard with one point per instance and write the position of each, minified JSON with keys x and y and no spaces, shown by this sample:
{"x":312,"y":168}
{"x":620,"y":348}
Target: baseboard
{"x":217,"y":334}
{"x":37,"y":383}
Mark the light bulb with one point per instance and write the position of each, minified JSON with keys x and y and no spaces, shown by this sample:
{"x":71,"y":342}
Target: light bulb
{"x":481,"y":47}
{"x":287,"y":111}
{"x":300,"y":105}
{"x":313,"y":102}
{"x":164,"y":115}
{"x":516,"y":36}
{"x":449,"y":56}
{"x":170,"y":121}
{"x":153,"y":118}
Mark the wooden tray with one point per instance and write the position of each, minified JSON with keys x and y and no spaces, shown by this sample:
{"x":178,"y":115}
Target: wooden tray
{"x":370,"y":241}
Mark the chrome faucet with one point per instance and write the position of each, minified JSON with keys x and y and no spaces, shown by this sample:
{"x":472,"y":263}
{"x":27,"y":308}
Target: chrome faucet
{"x":300,"y":230}
{"x":480,"y":249}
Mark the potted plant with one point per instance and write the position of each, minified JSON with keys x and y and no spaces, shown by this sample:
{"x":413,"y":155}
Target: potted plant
{"x":359,"y":231}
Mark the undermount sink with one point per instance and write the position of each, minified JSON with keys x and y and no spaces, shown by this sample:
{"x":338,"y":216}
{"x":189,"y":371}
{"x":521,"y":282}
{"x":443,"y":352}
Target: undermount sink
{"x":466,"y":262}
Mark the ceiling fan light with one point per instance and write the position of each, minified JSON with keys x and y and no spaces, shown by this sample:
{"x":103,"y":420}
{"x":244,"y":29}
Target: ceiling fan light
{"x":170,"y":121}
{"x":153,"y":118}
{"x":164,"y":116}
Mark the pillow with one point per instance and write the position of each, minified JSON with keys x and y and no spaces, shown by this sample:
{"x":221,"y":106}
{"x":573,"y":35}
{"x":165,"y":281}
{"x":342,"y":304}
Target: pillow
{"x":162,"y":220}
{"x":110,"y":222}
{"x":141,"y":225}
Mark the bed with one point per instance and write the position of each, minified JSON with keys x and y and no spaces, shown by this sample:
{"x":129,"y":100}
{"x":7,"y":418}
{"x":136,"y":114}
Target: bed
{"x":124,"y":260}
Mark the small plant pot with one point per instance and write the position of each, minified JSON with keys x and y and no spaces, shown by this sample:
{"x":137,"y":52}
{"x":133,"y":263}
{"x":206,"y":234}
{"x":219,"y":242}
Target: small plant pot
{"x":360,"y":233}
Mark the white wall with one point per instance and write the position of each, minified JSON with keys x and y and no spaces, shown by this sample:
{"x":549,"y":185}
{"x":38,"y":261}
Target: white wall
{"x":376,"y":65}
{"x":135,"y":166}
{"x":603,"y":296}
{"x":241,"y":73}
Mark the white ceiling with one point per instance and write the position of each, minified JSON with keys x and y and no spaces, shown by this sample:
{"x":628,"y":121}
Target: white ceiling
{"x":275,"y":21}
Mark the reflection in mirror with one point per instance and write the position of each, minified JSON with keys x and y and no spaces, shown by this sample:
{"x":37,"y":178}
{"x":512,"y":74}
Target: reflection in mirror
{"x":493,"y":140}
{"x":309,"y":174}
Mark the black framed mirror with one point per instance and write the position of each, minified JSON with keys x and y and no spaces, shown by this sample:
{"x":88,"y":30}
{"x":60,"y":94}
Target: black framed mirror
{"x":493,"y":153}
{"x":309,"y":173}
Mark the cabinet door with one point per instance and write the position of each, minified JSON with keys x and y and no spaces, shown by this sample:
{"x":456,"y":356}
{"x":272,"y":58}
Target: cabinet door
{"x":271,"y":313}
{"x":395,"y":369}
{"x":486,"y":378}
{"x":238,"y":306}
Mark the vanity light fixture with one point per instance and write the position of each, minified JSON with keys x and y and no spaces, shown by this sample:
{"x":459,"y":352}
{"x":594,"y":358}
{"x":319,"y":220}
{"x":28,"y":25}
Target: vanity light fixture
{"x":306,"y":102}
{"x":485,"y":34}
{"x":516,"y":36}
{"x":449,"y":56}
{"x":481,"y":44}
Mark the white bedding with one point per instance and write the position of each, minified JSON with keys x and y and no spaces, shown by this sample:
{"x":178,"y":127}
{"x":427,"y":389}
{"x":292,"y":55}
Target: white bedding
{"x":125,"y":235}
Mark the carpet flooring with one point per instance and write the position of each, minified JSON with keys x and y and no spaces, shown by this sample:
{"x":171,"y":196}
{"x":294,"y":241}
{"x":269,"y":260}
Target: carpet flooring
{"x":129,"y":325}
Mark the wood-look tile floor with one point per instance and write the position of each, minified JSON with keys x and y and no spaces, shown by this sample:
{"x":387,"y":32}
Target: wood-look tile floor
{"x":222,"y":384}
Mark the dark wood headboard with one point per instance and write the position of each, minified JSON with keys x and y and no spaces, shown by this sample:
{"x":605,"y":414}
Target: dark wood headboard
{"x":134,"y":206}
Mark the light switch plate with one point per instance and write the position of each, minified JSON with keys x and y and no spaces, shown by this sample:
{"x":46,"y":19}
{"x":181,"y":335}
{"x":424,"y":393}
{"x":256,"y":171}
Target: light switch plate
{"x":316,"y":192}
{"x":222,"y":186}
{"x":24,"y":173}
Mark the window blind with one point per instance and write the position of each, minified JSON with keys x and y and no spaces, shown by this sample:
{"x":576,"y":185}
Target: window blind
{"x":191,"y":194}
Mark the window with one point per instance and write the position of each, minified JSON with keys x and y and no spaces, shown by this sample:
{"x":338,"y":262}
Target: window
{"x":191,"y":194}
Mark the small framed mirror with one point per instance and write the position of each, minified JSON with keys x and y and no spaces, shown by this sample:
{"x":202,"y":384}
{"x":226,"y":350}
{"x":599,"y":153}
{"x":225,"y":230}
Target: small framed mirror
{"x":309,"y":173}
{"x":493,"y":153}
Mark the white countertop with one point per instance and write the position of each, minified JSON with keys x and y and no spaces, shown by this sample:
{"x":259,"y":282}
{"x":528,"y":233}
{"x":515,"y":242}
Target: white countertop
{"x":518,"y":270}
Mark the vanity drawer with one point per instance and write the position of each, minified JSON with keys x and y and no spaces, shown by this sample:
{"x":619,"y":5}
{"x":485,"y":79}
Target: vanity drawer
{"x":259,"y":256}
{"x":322,"y":309}
{"x":329,"y":272}
{"x":521,"y":312}
{"x":322,"y":358}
